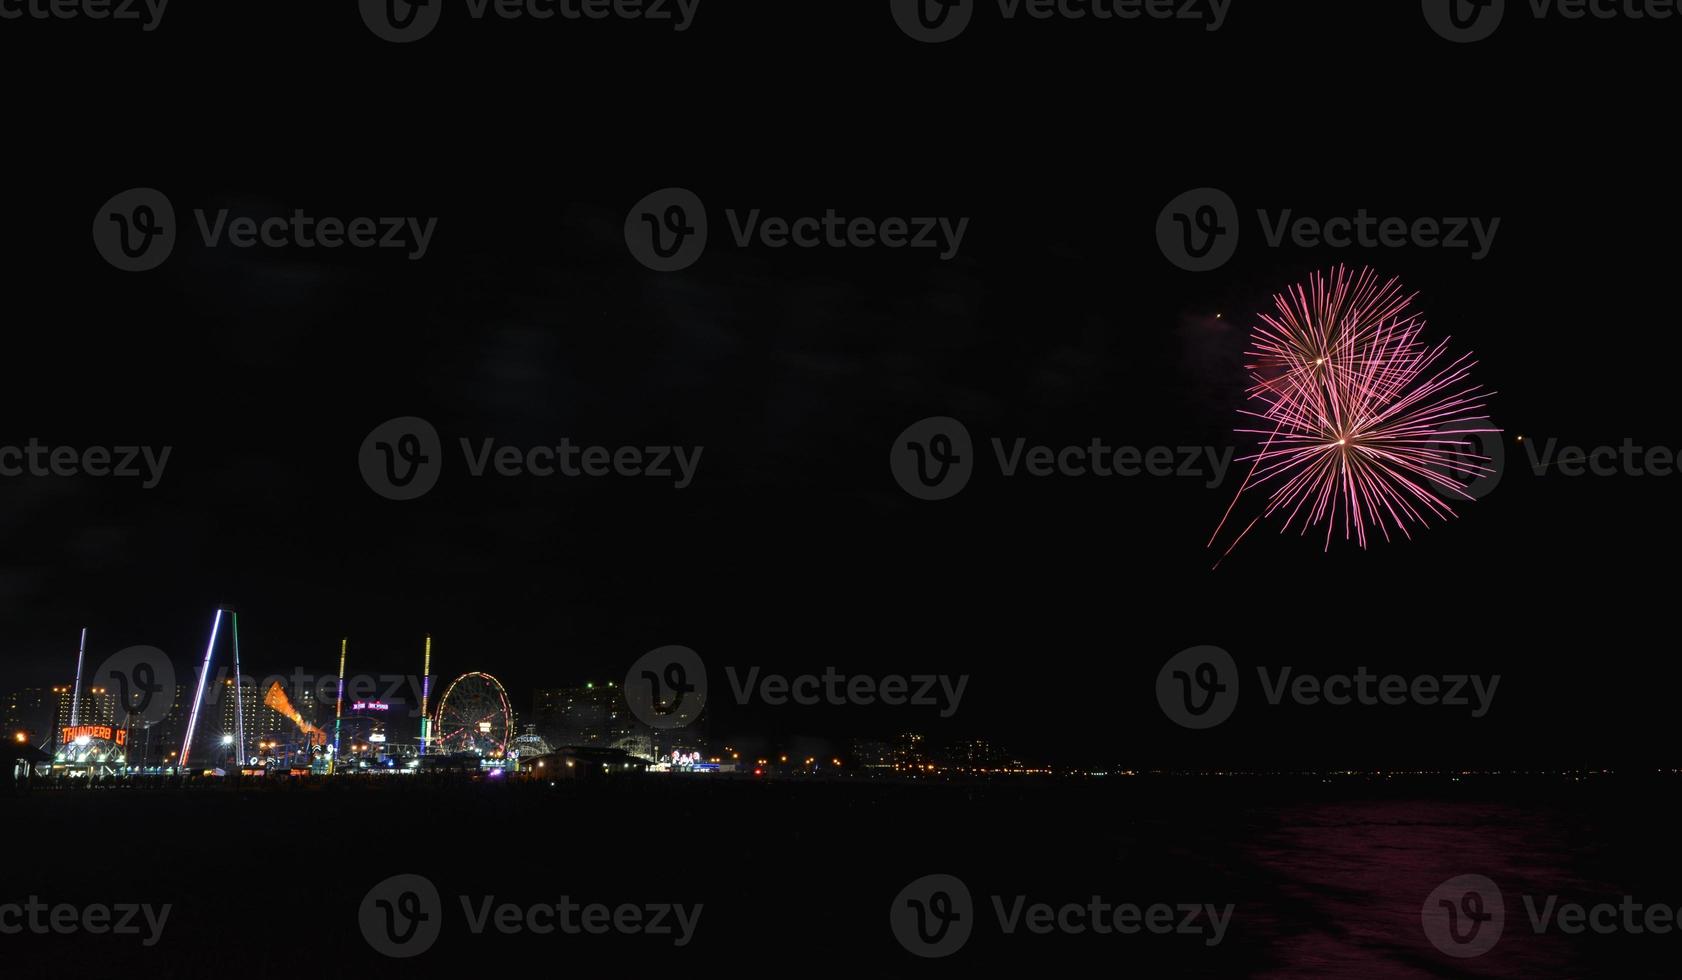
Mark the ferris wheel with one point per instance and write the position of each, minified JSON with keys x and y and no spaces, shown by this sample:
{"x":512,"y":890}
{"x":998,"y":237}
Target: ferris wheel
{"x":474,"y":716}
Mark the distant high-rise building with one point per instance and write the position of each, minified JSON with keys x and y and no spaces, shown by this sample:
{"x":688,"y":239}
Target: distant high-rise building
{"x":258,"y":720}
{"x":30,"y":710}
{"x":304,"y":699}
{"x":971,"y":754}
{"x":262,"y":723}
{"x":873,"y":755}
{"x":902,"y":753}
{"x":908,"y":752}
{"x":158,"y":741}
{"x":591,"y":714}
{"x":97,"y":706}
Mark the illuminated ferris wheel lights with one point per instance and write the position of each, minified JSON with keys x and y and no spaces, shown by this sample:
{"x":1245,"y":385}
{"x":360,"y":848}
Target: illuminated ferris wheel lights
{"x":474,"y":717}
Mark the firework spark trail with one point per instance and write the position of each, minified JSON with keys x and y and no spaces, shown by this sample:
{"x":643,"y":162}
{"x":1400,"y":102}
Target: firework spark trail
{"x":1367,"y":423}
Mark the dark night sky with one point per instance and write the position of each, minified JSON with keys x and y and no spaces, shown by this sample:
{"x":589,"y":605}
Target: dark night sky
{"x":1060,"y":321}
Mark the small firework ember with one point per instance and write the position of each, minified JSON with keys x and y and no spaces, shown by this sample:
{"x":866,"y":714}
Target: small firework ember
{"x":1363,"y":424}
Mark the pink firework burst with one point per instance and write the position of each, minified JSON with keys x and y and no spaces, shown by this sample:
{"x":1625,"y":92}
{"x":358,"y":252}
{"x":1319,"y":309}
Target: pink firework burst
{"x":1364,"y":425}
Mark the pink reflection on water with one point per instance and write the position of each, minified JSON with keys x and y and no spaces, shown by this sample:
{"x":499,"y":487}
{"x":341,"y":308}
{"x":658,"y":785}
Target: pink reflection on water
{"x":1366,"y":869}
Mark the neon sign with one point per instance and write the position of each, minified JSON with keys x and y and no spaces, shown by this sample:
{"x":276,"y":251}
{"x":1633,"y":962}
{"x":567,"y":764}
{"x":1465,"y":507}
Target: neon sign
{"x":106,"y":732}
{"x":370,"y":706}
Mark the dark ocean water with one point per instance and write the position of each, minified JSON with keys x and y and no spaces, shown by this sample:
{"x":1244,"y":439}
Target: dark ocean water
{"x":1349,"y":880}
{"x":1323,"y":879}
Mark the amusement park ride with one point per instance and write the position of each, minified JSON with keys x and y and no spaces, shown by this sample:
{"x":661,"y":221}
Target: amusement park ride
{"x":473,"y":721}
